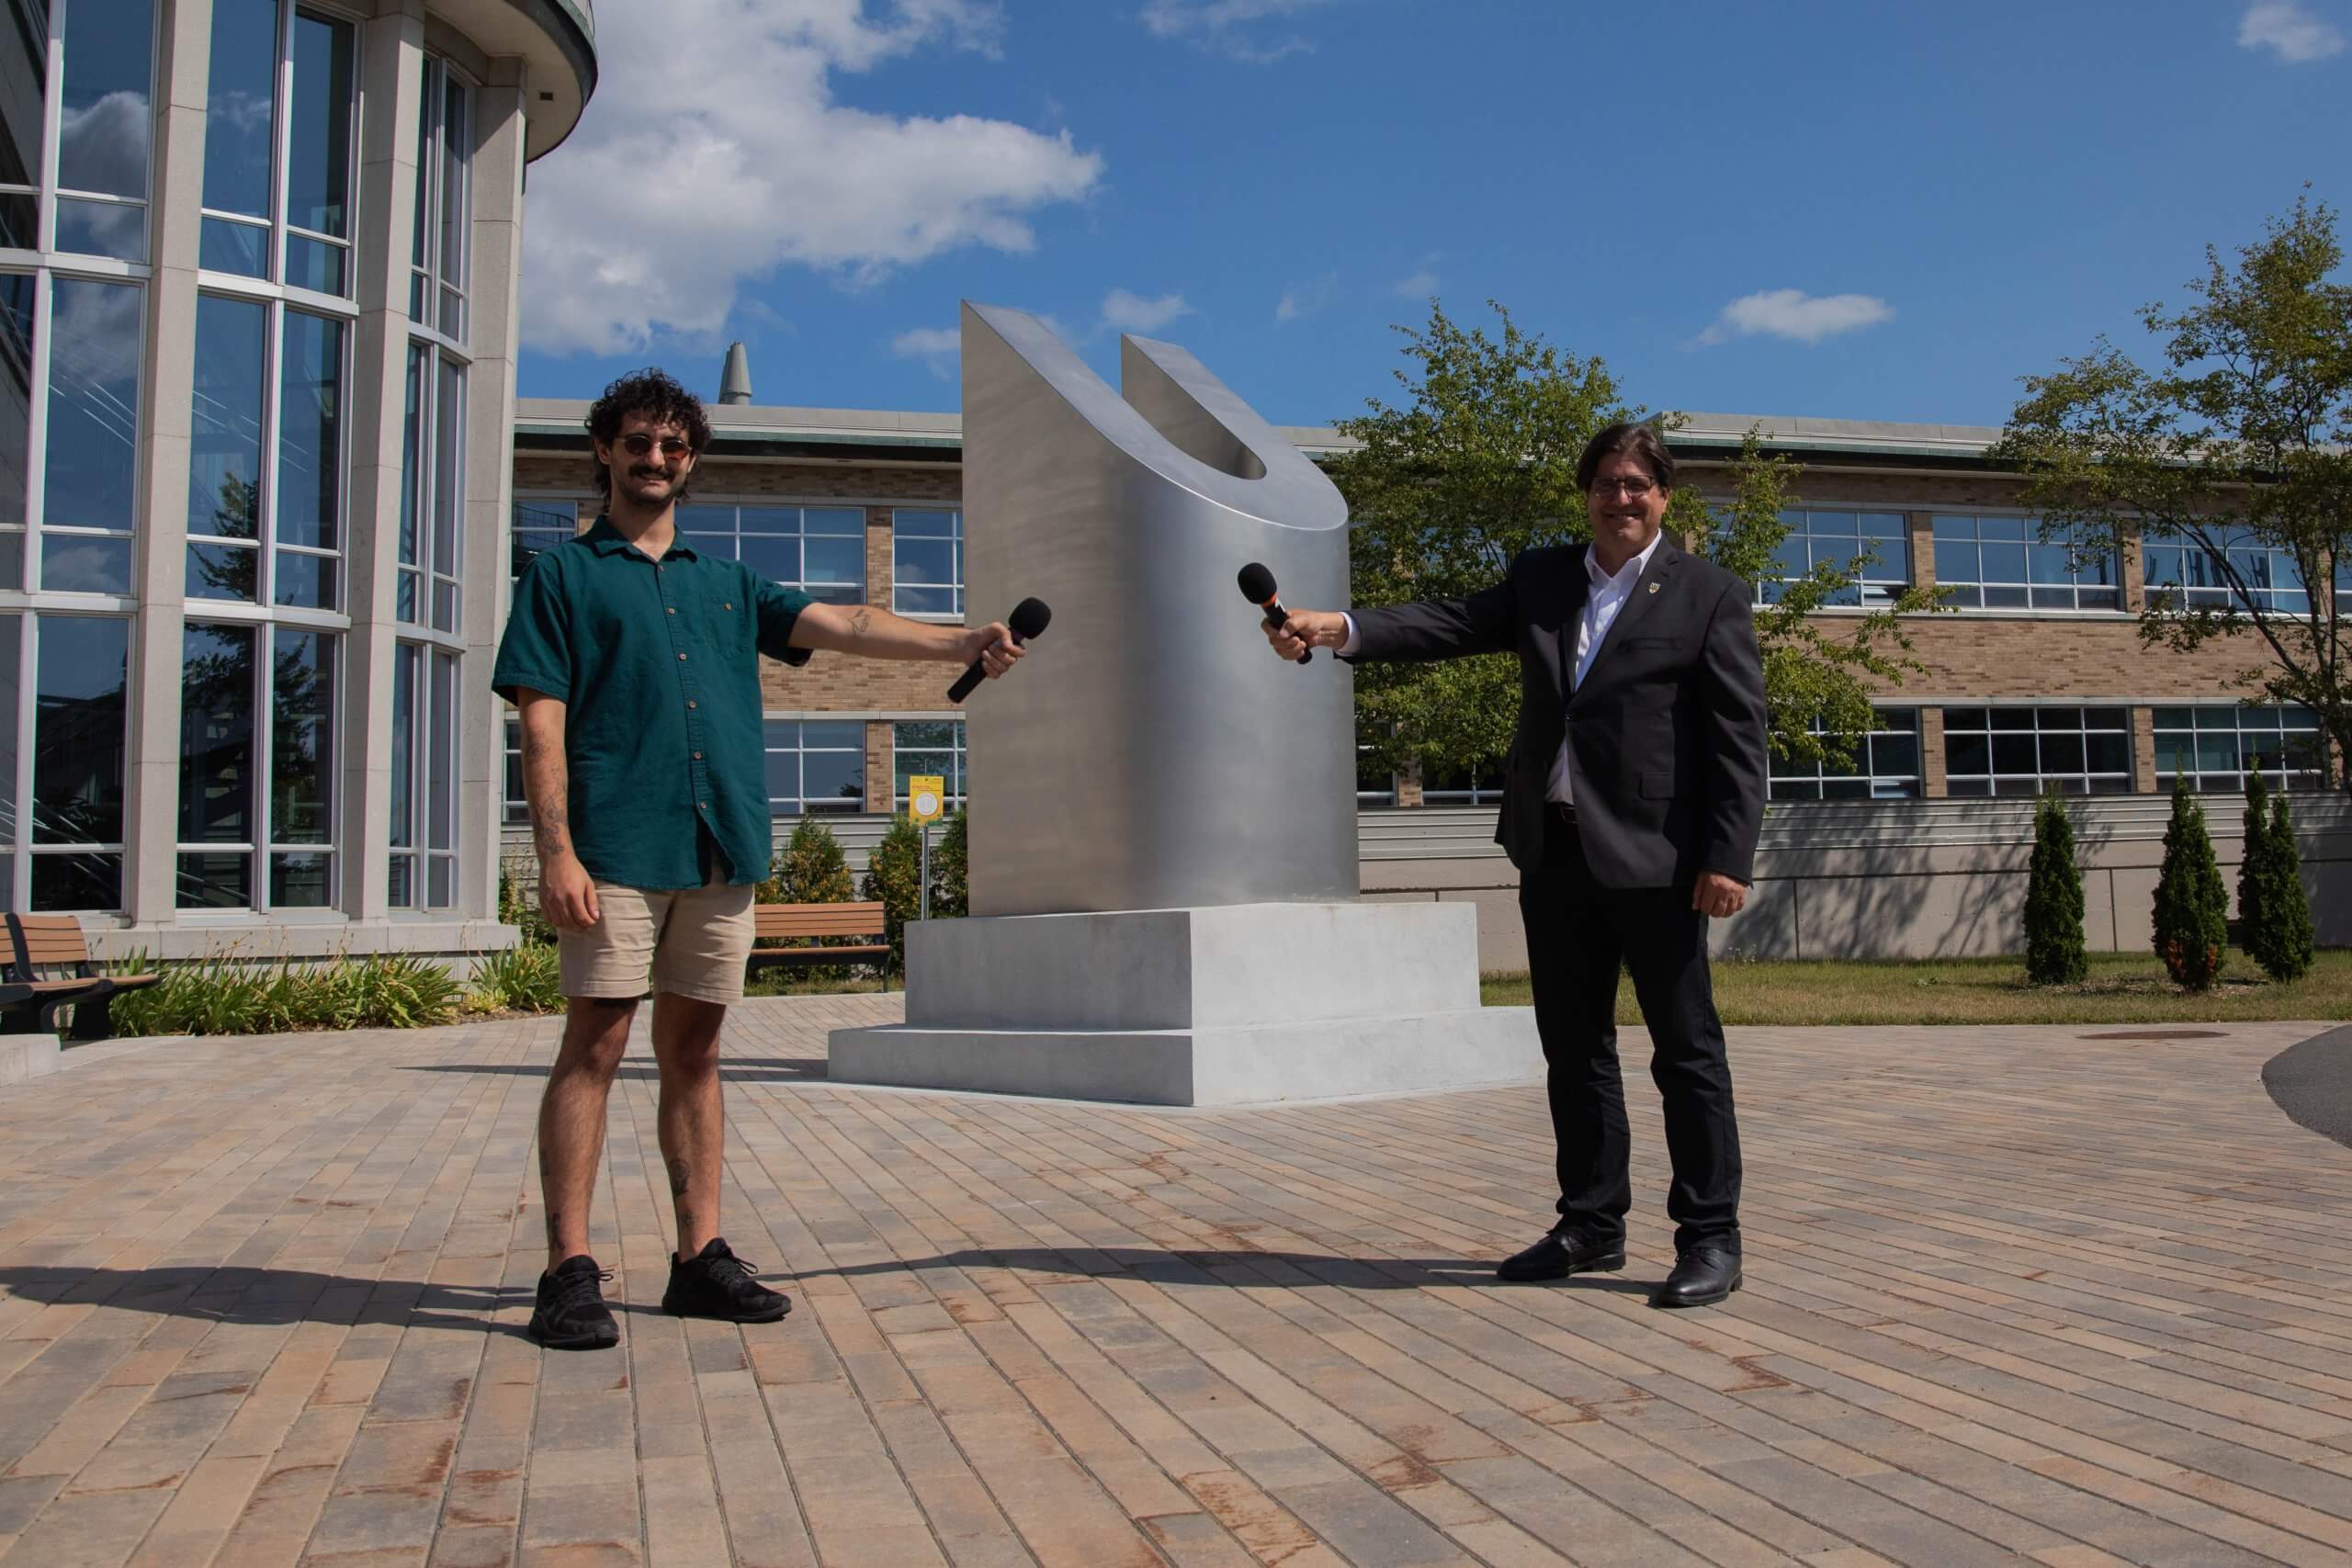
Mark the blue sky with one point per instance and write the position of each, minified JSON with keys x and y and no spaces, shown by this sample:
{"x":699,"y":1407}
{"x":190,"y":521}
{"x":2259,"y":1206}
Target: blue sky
{"x":1853,"y":211}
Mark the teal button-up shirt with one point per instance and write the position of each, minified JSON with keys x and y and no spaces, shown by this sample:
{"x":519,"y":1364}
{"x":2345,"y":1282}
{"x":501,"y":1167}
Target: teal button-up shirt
{"x":658,"y":666}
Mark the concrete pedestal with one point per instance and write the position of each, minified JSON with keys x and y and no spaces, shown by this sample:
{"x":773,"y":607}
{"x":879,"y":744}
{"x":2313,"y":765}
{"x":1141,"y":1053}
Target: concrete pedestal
{"x":1231,"y":1005}
{"x":25,"y":1056}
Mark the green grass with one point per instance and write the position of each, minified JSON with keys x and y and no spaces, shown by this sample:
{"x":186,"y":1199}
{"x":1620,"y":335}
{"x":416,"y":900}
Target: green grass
{"x":2124,"y":988}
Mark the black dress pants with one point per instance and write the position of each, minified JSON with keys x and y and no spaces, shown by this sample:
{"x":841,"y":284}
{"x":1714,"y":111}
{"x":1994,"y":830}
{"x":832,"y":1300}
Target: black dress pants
{"x":1578,"y":934}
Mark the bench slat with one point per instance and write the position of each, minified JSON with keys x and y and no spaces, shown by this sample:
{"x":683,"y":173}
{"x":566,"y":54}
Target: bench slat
{"x":53,"y":939}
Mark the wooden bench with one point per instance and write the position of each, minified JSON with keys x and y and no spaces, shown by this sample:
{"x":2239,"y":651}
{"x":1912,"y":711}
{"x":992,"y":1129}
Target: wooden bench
{"x":773,"y":921}
{"x":49,"y":968}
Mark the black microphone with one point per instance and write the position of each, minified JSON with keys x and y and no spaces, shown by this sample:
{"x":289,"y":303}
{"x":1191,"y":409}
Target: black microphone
{"x":1258,"y":587}
{"x":1028,"y":619}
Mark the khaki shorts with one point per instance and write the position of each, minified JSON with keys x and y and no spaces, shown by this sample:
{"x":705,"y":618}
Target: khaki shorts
{"x":691,"y":942}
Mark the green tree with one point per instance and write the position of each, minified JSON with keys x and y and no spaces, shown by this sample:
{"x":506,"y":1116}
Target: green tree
{"x":2053,"y":901}
{"x":811,"y":868}
{"x":2257,"y":829}
{"x":2240,"y":444}
{"x":2192,"y":902}
{"x":894,"y":879}
{"x":951,"y":869}
{"x":1478,"y":463}
{"x":2283,"y":941}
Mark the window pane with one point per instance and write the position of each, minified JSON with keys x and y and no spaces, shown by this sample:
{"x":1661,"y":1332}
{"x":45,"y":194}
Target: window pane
{"x":441,"y":786}
{"x":1955,"y":562}
{"x":302,"y":767}
{"x":305,"y":580}
{"x":113,"y":229}
{"x":924,"y":562}
{"x":93,"y":461}
{"x":309,"y":447}
{"x":16,"y":397}
{"x":456,"y":147}
{"x":215,"y":882}
{"x":301,"y":881}
{"x":24,"y":54}
{"x":238,"y":113}
{"x":776,"y":558}
{"x":834,"y":734}
{"x":2109,"y":753}
{"x":63,"y":882}
{"x":315,"y":264}
{"x":216,"y":735}
{"x":448,"y":469}
{"x":11,"y":694}
{"x":909,"y":525}
{"x":840,"y":521}
{"x":224,"y":447}
{"x":241,"y":248}
{"x":2004,"y":564}
{"x":85,"y":563}
{"x":318,"y":183}
{"x":835,"y":560}
{"x":427,"y":125}
{"x":403,"y":801}
{"x":413,"y":467}
{"x":106,"y":127}
{"x":230,"y":572}
{"x":833,"y":779}
{"x":78,"y":742}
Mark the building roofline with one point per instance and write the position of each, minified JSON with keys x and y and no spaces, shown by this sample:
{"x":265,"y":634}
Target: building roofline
{"x":557,"y":423}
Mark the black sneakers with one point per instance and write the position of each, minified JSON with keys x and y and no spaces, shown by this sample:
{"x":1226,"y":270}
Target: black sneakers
{"x":570,"y":1314}
{"x":717,"y":1283}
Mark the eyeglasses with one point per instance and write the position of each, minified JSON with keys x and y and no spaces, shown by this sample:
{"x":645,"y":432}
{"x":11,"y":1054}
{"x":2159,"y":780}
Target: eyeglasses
{"x":1635,"y":490}
{"x":637,"y":445}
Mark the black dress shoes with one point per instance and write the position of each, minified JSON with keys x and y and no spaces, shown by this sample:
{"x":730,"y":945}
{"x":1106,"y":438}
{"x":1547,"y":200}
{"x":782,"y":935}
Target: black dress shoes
{"x":1703,"y":1275}
{"x":1561,"y":1253}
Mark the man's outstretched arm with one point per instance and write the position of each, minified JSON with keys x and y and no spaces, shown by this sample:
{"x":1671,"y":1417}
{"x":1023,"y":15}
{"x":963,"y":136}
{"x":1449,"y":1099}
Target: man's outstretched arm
{"x":871,"y":633}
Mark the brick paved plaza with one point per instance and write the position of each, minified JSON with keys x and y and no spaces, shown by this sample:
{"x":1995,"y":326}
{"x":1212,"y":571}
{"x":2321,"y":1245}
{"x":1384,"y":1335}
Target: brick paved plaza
{"x":2012,"y":1295}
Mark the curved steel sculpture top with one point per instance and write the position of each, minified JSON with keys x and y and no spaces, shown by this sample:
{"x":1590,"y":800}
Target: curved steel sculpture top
{"x":1150,"y":755}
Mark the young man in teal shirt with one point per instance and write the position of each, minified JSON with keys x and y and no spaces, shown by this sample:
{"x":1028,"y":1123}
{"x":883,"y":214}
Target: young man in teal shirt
{"x":634,"y":657}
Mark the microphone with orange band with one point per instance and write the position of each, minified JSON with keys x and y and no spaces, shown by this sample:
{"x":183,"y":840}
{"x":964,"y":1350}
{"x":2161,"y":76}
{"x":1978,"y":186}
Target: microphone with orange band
{"x":1258,"y":587}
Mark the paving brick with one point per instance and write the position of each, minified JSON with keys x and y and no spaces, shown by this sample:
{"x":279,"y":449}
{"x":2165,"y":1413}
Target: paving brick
{"x":263,"y":1301}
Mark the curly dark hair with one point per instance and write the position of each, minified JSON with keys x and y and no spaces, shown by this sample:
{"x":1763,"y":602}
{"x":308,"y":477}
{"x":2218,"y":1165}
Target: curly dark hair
{"x":1639,"y":442}
{"x":657,"y":395}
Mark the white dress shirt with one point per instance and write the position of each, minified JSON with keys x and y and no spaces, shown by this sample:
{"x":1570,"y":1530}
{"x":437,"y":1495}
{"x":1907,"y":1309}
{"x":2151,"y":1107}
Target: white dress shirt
{"x":1601,"y":607}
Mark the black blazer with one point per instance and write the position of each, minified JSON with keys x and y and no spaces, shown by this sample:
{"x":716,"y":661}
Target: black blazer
{"x":1666,"y":737}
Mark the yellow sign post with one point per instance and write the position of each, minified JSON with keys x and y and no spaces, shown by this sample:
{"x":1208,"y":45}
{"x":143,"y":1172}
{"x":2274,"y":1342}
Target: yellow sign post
{"x":926,"y":802}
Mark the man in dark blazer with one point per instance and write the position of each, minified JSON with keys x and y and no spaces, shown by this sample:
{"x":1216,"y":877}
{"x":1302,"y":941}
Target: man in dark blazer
{"x":1630,"y":804}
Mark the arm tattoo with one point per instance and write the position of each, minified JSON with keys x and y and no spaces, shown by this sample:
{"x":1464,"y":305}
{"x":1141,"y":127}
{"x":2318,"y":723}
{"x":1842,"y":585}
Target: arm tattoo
{"x":861,"y":621}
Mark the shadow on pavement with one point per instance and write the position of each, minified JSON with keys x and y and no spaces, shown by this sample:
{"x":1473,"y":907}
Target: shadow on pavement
{"x":266,"y":1296}
{"x":766,"y":1070}
{"x":1239,"y":1268}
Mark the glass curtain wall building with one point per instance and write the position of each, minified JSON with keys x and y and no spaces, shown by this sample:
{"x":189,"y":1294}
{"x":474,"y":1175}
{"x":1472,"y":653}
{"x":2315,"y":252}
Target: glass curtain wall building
{"x":257,"y":375}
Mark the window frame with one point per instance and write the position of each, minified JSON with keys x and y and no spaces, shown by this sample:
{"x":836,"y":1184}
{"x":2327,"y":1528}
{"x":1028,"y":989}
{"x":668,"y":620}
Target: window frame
{"x":279,"y":224}
{"x":701,"y":536}
{"x":833,"y":805}
{"x":2075,"y":586}
{"x":536,"y":501}
{"x":2295,"y":600}
{"x":262,"y":846}
{"x":424,"y":655}
{"x":425,"y":452}
{"x":1867,"y":771}
{"x":2280,"y":778}
{"x":954,"y":539}
{"x":2044,"y":780}
{"x":959,"y":774}
{"x":1871,"y":593}
{"x":428,"y":284}
{"x":21,"y":849}
{"x":46,"y":193}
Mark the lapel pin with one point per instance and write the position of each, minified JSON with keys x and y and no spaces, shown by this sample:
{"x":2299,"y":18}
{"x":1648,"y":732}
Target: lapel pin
{"x":1653,"y":587}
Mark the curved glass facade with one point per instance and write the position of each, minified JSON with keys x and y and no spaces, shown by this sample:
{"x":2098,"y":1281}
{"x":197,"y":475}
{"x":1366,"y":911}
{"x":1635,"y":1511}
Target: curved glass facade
{"x":242,"y":617}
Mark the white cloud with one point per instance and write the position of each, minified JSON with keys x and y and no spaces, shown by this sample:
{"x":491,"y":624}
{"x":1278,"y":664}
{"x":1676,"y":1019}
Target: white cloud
{"x":1224,"y":26}
{"x":695,"y":171}
{"x":939,"y":347}
{"x":1420,"y":285}
{"x":1800,"y":317}
{"x":1306,"y":298}
{"x":2285,"y":26}
{"x":1125,"y":312}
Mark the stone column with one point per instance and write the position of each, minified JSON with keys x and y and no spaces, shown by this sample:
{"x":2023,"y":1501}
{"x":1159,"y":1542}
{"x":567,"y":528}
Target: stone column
{"x":167,"y":377}
{"x":494,"y":337}
{"x":391,"y":50}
